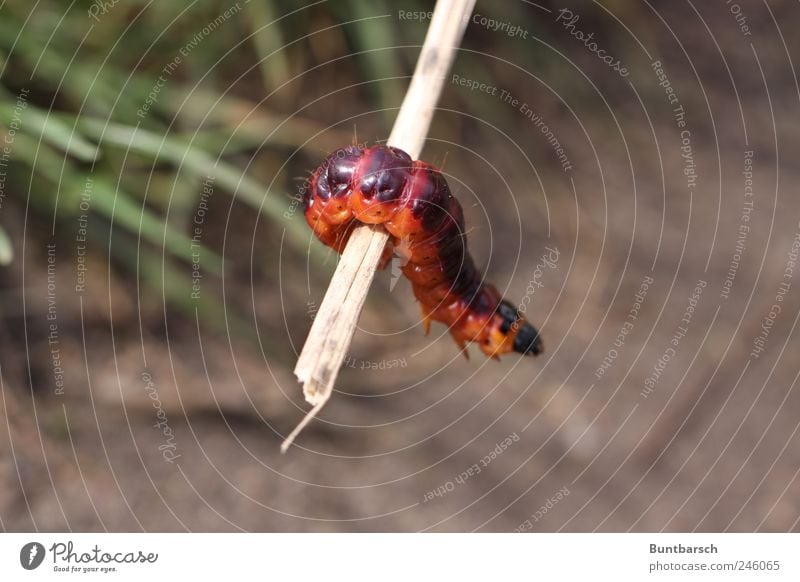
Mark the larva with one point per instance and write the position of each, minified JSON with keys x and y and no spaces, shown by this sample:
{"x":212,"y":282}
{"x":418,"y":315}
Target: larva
{"x":411,"y":199}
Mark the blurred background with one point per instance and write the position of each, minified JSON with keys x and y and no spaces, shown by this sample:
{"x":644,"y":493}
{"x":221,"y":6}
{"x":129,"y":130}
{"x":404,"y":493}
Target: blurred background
{"x":628,"y":175}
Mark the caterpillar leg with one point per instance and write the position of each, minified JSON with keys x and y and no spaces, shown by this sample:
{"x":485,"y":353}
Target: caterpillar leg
{"x":386,"y":257}
{"x":426,"y":318}
{"x":462,"y":345}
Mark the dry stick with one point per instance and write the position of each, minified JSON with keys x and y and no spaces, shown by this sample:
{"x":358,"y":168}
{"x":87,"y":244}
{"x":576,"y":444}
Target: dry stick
{"x":335,"y":322}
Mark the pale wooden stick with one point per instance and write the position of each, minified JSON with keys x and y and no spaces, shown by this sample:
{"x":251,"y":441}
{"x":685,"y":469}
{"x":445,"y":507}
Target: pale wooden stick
{"x":335,"y":323}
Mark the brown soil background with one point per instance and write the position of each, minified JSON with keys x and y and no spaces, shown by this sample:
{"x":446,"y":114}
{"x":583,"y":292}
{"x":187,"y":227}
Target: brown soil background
{"x":713,"y":447}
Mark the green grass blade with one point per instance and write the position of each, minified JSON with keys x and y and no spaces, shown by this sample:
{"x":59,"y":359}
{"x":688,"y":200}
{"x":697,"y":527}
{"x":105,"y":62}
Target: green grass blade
{"x":268,"y":40}
{"x":134,"y":217}
{"x":200,"y":164}
{"x":52,"y":130}
{"x":6,"y":250}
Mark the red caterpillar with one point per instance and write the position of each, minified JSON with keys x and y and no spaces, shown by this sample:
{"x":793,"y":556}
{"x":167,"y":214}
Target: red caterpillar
{"x":411,"y":199}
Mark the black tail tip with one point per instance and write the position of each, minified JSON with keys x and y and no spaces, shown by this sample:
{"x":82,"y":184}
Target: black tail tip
{"x":528,"y":341}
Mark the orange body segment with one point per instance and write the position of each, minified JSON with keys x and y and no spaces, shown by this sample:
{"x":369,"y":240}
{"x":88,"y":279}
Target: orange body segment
{"x":411,"y":199}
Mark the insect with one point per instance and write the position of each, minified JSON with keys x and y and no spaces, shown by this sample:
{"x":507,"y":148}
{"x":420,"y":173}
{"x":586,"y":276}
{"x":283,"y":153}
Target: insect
{"x":411,"y":199}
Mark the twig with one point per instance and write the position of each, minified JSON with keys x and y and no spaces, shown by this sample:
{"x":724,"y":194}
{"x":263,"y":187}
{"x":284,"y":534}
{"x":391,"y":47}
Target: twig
{"x":335,"y":322}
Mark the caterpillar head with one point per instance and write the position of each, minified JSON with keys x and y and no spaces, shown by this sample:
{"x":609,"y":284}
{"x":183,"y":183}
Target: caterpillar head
{"x":335,"y":177}
{"x":331,"y":183}
{"x":342,"y":168}
{"x":379,"y":181}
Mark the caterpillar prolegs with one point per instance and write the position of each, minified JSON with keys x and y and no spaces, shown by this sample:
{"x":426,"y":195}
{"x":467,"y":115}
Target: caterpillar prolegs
{"x":411,"y":199}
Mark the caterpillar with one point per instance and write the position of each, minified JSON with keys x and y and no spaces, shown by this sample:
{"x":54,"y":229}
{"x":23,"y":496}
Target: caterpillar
{"x":411,"y":199}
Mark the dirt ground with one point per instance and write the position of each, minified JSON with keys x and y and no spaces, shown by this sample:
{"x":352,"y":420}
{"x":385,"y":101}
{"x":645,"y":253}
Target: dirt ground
{"x":660,"y":267}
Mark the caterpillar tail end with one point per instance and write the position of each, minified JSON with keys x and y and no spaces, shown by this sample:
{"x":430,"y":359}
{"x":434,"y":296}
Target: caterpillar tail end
{"x":528,"y":341}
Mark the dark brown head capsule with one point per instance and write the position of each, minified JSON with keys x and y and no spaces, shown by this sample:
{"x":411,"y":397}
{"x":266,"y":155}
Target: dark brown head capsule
{"x":383,"y":174}
{"x":340,"y":169}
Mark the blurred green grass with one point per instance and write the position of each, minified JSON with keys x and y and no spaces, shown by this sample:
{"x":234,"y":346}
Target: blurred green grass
{"x":87,"y":71}
{"x":227,"y":109}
